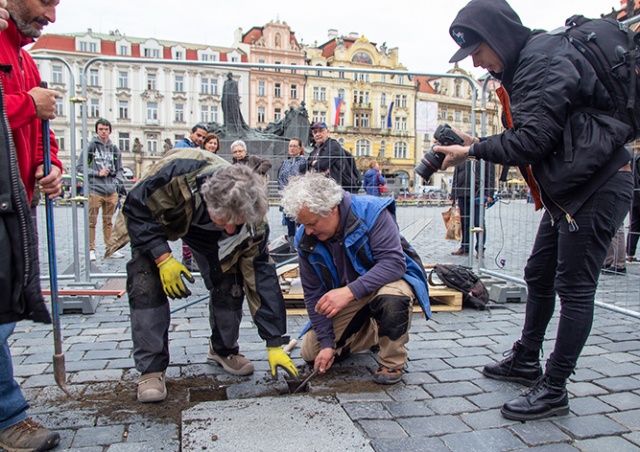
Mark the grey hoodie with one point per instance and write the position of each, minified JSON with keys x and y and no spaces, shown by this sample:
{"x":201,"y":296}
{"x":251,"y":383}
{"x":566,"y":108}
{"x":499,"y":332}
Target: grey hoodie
{"x":101,"y":156}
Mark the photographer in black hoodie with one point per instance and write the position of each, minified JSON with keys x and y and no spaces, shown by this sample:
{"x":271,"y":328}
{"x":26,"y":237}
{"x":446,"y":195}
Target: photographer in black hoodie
{"x":585,"y":189}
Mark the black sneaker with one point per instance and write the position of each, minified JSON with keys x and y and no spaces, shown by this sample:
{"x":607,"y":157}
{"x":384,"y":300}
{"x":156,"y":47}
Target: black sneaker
{"x":611,"y":270}
{"x":28,"y":435}
{"x":545,"y":398}
{"x":521,"y":365}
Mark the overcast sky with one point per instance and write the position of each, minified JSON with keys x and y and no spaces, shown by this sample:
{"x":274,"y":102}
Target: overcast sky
{"x":419,"y":28}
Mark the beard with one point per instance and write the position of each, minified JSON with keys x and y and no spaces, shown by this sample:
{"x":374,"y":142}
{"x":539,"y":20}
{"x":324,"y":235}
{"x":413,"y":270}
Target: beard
{"x":26,"y":28}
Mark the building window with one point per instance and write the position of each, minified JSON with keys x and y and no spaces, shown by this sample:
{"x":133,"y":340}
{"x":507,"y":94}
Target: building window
{"x":261,"y":114}
{"x":206,"y":113}
{"x":179,"y":55}
{"x":56,"y":74}
{"x":124,"y":50}
{"x":94,"y":108}
{"x":234,"y":59}
{"x":457,"y":115}
{"x":93,"y":77}
{"x":383,"y":121}
{"x":152,"y":143}
{"x":401,"y":101}
{"x":277,"y":90}
{"x":214,"y":113}
{"x":341,"y":119}
{"x":123,"y":109}
{"x":319,"y":116}
{"x":152,"y":53}
{"x":361,"y":98}
{"x":261,"y":89}
{"x":383,"y":78}
{"x":361,"y":120}
{"x":59,"y":107}
{"x":401,"y":80}
{"x":443,"y":114}
{"x":294,"y":91}
{"x":401,"y":123}
{"x":261,"y":61}
{"x":363,"y":148}
{"x":294,"y":71}
{"x":179,"y":113}
{"x":323,"y":93}
{"x":123,"y":141}
{"x":277,"y":114}
{"x":400,"y":150}
{"x":179,"y":84}
{"x":208,"y":86}
{"x":151,"y":82}
{"x":277,"y":69}
{"x":341,"y":93}
{"x":152,"y":112}
{"x":383,"y":149}
{"x":88,"y":47}
{"x":59,"y":139}
{"x":319,"y":93}
{"x":123,"y":79}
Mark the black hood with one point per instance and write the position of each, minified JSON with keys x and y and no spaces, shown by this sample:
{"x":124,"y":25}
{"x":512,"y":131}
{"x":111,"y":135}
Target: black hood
{"x":498,"y":25}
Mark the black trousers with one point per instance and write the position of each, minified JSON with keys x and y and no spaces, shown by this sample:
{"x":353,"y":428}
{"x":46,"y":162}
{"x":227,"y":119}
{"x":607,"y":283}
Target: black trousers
{"x":568,"y":264}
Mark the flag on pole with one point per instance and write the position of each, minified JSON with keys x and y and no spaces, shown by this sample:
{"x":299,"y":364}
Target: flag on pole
{"x":389,"y":118}
{"x":337,"y":105}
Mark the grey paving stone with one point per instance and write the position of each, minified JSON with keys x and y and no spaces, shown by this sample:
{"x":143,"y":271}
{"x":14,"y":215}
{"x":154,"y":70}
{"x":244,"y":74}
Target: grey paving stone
{"x":619,"y":383}
{"x":456,"y":375}
{"x":382,"y":429}
{"x":84,"y":346}
{"x":467,"y":361}
{"x":451,"y":405}
{"x":582,"y":406}
{"x":87,"y":376}
{"x":25,"y":370}
{"x":581,"y":389}
{"x":366,"y":410}
{"x":77,"y":366}
{"x":461,"y":388}
{"x":488,"y":401}
{"x":558,"y":447}
{"x":432,"y":425}
{"x":407,"y":392}
{"x":155,"y":432}
{"x":106,"y":354}
{"x":585,"y":375}
{"x":478,"y":341}
{"x":634,"y":437}
{"x":419,"y":444}
{"x":416,"y":378}
{"x":630,"y":419}
{"x":471,"y":351}
{"x":607,"y":444}
{"x":408,"y":409}
{"x":616,"y":370}
{"x":482,"y":441}
{"x":539,"y":433}
{"x":485,"y":419}
{"x":345,"y":397}
{"x":591,"y":426}
{"x":623,"y":401}
{"x":427,"y":365}
{"x":98,"y":436}
{"x":147,"y":446}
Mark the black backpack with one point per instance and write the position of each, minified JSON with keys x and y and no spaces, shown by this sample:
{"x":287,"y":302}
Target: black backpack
{"x":612,"y":49}
{"x":474,"y":292}
{"x":350,"y":174}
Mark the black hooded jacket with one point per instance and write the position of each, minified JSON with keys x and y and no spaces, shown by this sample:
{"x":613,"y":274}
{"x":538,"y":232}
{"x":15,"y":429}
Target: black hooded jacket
{"x":550,"y":85}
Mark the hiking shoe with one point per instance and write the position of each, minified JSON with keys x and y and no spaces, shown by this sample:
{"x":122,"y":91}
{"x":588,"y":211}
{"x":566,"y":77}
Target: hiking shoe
{"x":387,"y":376}
{"x":544,"y":399}
{"x":233,"y":364}
{"x":116,"y":255}
{"x":460,"y":252}
{"x":28,"y":435}
{"x":520,"y":365}
{"x":611,"y":270}
{"x":633,"y":259}
{"x":92,"y":256}
{"x":151,"y":387}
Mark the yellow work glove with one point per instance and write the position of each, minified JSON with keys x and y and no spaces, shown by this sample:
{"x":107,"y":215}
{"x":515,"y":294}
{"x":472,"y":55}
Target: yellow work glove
{"x":278,"y":358}
{"x":171,"y":273}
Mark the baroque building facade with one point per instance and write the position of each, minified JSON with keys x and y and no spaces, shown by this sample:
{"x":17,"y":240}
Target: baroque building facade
{"x":151,"y":104}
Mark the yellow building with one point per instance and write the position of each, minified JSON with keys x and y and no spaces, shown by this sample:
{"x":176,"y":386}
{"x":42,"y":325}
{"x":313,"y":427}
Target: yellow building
{"x":370,"y":114}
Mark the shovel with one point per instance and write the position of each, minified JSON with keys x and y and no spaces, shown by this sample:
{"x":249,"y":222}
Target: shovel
{"x":59,"y":373}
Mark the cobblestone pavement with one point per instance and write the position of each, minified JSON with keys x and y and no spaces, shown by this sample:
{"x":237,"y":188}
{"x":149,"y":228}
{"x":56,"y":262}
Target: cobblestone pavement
{"x":443,"y":403}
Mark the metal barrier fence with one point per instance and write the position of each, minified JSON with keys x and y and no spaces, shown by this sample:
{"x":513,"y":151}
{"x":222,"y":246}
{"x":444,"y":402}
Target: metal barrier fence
{"x":511,"y":223}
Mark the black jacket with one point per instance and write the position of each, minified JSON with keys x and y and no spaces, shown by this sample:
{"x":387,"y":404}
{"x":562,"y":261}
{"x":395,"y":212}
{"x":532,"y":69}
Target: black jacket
{"x":462,"y":179}
{"x":20,"y":294}
{"x":549,"y":84}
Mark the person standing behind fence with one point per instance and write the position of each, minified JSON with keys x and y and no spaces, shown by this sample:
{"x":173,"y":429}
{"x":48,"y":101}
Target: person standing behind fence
{"x":291,"y":167}
{"x":546,"y":86}
{"x":330,"y":158}
{"x":460,"y":194}
{"x":104,"y":174}
{"x":259,"y":165}
{"x":372,"y":179}
{"x":634,"y":217}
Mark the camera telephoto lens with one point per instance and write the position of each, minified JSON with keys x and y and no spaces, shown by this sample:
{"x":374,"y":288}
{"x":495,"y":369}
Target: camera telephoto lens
{"x":430,"y":163}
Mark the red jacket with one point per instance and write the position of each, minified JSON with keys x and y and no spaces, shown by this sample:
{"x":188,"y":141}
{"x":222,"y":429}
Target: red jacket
{"x":21,"y":111}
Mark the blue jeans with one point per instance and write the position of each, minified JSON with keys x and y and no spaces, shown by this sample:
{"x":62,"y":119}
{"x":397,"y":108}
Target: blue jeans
{"x":13,"y":406}
{"x":568,"y":264}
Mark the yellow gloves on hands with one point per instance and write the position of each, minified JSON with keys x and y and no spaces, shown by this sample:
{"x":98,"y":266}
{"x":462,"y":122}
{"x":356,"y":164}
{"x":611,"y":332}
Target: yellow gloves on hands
{"x":171,"y":273}
{"x":277,"y":357}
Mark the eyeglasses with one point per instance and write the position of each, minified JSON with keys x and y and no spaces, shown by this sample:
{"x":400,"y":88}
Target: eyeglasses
{"x":238,"y":152}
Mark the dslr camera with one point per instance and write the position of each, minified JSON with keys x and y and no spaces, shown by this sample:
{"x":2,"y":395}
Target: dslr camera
{"x":432,"y":160}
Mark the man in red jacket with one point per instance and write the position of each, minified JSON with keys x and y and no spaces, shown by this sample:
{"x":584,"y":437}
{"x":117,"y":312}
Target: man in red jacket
{"x":26,"y":103}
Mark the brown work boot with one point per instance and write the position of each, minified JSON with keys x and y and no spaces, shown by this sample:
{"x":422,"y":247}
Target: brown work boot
{"x":233,"y":364}
{"x":28,"y":435}
{"x":151,"y":387}
{"x":387,"y":376}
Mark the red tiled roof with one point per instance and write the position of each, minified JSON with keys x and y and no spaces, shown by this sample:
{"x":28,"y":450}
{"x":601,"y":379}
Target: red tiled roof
{"x":56,"y":42}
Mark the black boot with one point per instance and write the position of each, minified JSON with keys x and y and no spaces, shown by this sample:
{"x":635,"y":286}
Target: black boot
{"x":545,"y":398}
{"x":520,"y":365}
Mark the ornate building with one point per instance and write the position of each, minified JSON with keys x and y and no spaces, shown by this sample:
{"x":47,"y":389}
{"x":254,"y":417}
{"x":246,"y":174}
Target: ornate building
{"x":152,"y":104}
{"x":272,"y":92}
{"x":371,"y":115}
